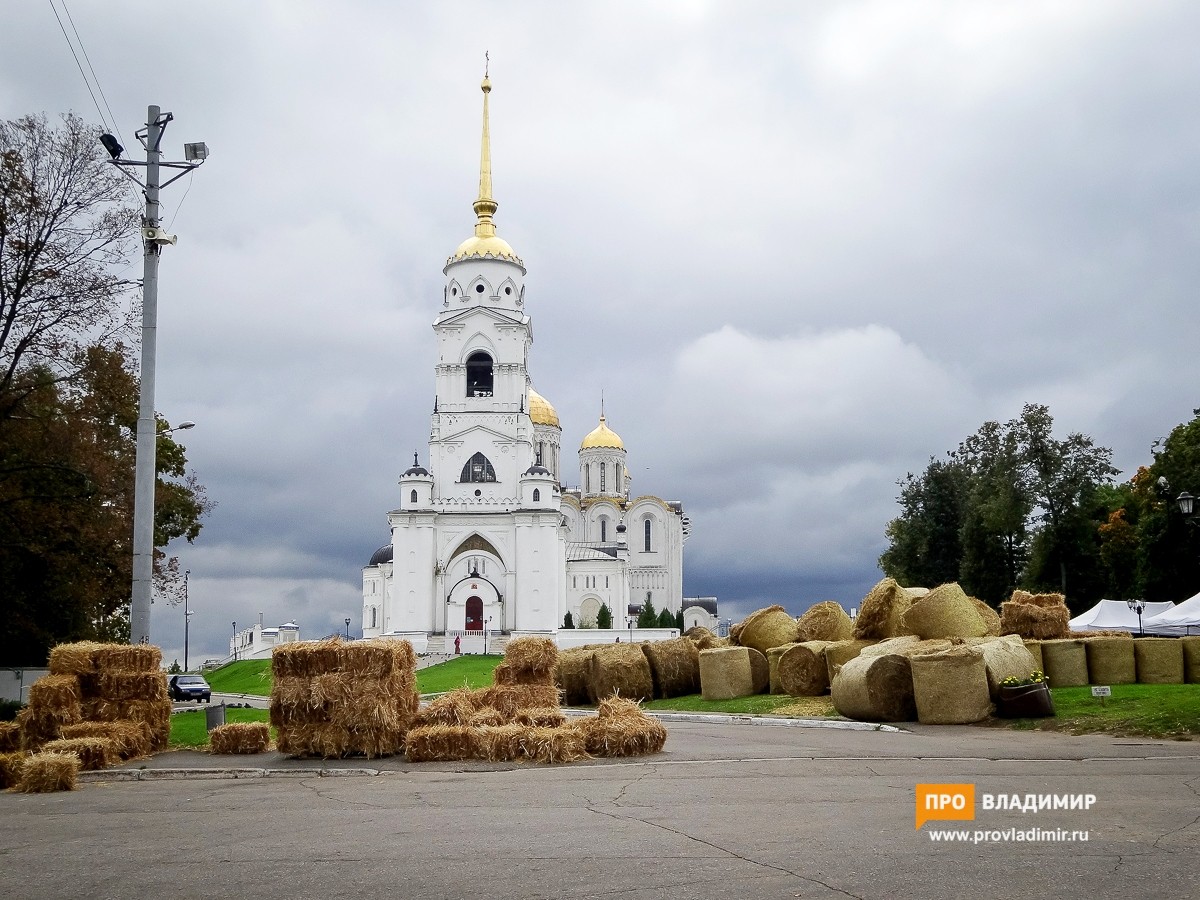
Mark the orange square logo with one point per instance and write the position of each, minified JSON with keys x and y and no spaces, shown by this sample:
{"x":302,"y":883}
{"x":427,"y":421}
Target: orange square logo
{"x":950,"y":802}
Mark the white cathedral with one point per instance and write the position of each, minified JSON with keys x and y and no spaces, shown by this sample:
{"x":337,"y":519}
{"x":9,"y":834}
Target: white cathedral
{"x":487,"y":536}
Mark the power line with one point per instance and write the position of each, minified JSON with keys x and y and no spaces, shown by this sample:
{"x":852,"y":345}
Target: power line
{"x":78,"y":64}
{"x":95,"y":77}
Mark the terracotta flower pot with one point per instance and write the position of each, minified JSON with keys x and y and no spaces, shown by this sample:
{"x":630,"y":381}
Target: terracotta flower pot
{"x":1024,"y":701}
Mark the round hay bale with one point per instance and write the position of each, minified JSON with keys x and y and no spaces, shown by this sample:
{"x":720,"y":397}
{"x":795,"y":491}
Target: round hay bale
{"x":240,"y":738}
{"x":881,"y":613}
{"x":825,"y":621}
{"x":1159,"y":660}
{"x":760,"y":671}
{"x":735,"y":634}
{"x":696,"y":632}
{"x":801,"y":670}
{"x":531,"y":656}
{"x":767,"y":628}
{"x":1065,"y":662}
{"x":725,"y":673}
{"x":838,"y":653}
{"x":44,"y":773}
{"x":1034,"y":621}
{"x":951,"y":686}
{"x":620,"y":670}
{"x":875,"y":689}
{"x":1191,"y":659}
{"x":1035,"y":650}
{"x":572,"y":674}
{"x":1004,"y":657}
{"x":1102,"y":632}
{"x":943,"y":613}
{"x":773,"y":667}
{"x":708,"y":643}
{"x":674,"y":666}
{"x":1110,"y":660}
{"x":991,"y":618}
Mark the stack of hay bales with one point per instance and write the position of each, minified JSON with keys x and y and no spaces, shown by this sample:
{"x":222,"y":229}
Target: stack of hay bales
{"x":1040,"y":617}
{"x":107,"y":691}
{"x":674,"y":666}
{"x":881,"y":613}
{"x":333,"y":698}
{"x":525,"y":680}
{"x":825,"y":621}
{"x":726,"y":673}
{"x":1159,"y":660}
{"x":240,"y":738}
{"x":945,"y":612}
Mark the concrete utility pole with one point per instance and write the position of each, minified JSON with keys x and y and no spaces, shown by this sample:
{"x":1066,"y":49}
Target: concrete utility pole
{"x":153,"y":240}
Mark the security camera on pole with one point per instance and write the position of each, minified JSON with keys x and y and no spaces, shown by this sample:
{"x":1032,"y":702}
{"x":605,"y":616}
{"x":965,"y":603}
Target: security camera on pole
{"x":153,"y":239}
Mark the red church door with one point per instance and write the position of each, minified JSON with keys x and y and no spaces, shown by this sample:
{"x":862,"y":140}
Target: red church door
{"x":474,"y":614}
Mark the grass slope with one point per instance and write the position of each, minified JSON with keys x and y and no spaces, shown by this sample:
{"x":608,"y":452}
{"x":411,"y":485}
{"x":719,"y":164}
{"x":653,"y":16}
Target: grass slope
{"x":472,"y":671}
{"x":247,"y":676}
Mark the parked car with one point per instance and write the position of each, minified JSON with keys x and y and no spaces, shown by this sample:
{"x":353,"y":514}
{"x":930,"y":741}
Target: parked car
{"x":189,"y":687}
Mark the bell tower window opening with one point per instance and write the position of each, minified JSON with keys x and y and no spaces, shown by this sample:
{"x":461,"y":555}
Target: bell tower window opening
{"x":477,"y":470}
{"x":479,"y":375}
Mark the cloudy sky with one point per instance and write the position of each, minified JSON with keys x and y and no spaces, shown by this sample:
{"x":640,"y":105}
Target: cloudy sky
{"x":800,"y":247}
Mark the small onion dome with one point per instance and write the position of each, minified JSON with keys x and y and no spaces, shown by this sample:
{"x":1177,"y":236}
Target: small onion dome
{"x":415,"y":469}
{"x":602,"y":437}
{"x":621,"y":529}
{"x":382,"y":555}
{"x":541,"y":411}
{"x":535,"y":469}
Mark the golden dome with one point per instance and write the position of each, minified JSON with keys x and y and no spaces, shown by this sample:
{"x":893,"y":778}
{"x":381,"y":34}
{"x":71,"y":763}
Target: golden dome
{"x":602,"y":437}
{"x":484,"y":246}
{"x":541,"y":411}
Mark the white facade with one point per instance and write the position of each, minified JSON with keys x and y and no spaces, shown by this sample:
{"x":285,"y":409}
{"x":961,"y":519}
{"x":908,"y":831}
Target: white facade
{"x":258,"y":642}
{"x":486,"y":537}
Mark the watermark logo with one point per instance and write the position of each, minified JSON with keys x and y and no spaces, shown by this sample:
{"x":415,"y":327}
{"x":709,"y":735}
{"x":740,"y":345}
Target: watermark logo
{"x":945,"y":802}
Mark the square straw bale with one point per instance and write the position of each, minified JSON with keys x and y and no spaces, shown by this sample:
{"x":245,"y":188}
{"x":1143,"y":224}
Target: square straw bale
{"x":441,"y":743}
{"x":500,"y":743}
{"x":617,"y":736}
{"x":127,"y":658}
{"x":74,"y":659}
{"x":10,"y":737}
{"x":240,"y":738}
{"x":553,"y":745}
{"x":44,"y":773}
{"x":52,"y":693}
{"x":129,"y":685}
{"x":1035,"y":622}
{"x":10,"y":768}
{"x":541,"y":717}
{"x":509,"y":699}
{"x":93,"y":752}
{"x":131,"y":739}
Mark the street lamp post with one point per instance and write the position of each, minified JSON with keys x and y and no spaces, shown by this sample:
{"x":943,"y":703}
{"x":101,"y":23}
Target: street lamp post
{"x":629,"y":620}
{"x":187,"y":615}
{"x":235,"y":641}
{"x":347,"y":628}
{"x":1187,"y":506}
{"x":1137,"y":606}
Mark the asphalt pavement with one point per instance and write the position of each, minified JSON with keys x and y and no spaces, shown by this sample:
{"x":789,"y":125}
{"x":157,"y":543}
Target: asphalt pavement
{"x":726,"y":810}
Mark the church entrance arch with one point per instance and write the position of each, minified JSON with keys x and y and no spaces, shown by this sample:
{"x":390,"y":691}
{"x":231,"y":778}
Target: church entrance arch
{"x":474,"y":618}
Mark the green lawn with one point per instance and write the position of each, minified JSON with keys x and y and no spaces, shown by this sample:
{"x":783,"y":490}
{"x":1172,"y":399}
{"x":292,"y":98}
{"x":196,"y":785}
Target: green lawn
{"x":473,"y":671}
{"x":247,"y":676}
{"x":188,"y":729}
{"x":1145,"y":710}
{"x":757,"y":705}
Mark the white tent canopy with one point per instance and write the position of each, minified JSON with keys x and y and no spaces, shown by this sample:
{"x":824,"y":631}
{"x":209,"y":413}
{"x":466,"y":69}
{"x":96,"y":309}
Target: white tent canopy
{"x":1115,"y":615}
{"x":1182,"y":618}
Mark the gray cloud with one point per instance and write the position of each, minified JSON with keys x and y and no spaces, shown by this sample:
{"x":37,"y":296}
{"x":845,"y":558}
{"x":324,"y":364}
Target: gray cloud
{"x":800,"y":248}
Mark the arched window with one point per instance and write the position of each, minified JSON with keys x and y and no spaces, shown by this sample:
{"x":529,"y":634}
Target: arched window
{"x":374,"y":613}
{"x":587,"y":479}
{"x":479,"y":375}
{"x":603,"y":530}
{"x":477,"y":469}
{"x":412,"y":498}
{"x":537,"y":496}
{"x":647,"y":531}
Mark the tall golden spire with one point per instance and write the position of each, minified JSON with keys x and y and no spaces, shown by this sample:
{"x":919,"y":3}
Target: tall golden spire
{"x":485,"y":206}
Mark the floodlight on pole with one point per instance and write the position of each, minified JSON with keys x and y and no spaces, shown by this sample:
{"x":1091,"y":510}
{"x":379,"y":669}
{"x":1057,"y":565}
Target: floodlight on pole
{"x":154,"y":239}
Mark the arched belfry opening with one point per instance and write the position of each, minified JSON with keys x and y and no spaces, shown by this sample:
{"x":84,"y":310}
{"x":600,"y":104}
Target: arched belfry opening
{"x":477,"y":470}
{"x":480,"y":379}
